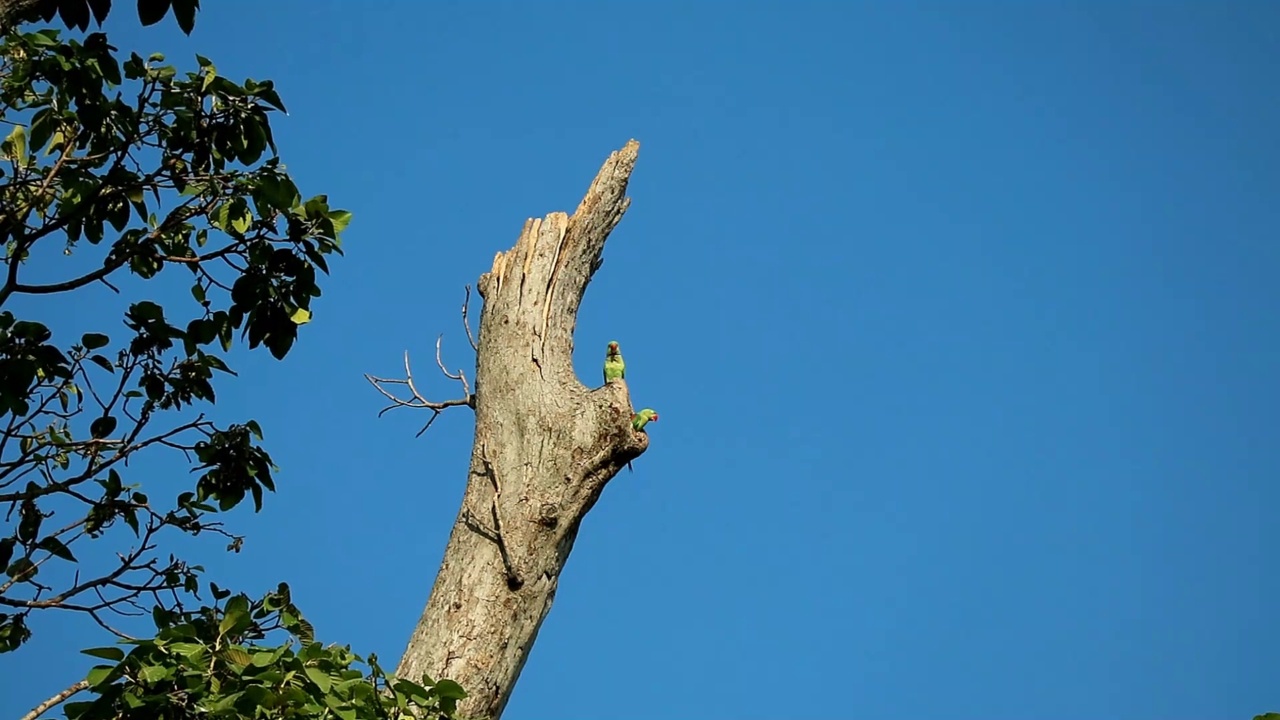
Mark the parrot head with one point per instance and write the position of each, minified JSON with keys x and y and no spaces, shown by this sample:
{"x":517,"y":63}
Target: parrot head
{"x":613,"y":348}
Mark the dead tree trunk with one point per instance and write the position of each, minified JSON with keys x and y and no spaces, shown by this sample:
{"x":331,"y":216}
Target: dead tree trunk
{"x":545,"y":446}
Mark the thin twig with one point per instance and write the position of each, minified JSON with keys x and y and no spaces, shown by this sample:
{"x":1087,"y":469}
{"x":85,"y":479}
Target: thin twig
{"x":418,"y":400}
{"x":466,"y":300}
{"x":459,"y":376}
{"x":103,"y":624}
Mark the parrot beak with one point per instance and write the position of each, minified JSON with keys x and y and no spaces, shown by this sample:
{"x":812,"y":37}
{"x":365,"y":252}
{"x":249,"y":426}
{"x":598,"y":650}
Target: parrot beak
{"x":655,"y":417}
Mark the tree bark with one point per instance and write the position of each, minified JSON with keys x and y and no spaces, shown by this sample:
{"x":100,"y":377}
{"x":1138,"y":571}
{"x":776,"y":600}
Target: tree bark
{"x":545,"y":446}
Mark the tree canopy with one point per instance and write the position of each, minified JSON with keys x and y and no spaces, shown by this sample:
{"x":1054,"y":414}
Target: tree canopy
{"x":116,"y":169}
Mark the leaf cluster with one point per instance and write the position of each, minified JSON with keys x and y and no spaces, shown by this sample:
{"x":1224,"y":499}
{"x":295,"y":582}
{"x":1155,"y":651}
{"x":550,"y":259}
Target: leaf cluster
{"x":76,"y":13}
{"x":137,"y":169}
{"x":212,"y":663}
{"x":147,"y":172}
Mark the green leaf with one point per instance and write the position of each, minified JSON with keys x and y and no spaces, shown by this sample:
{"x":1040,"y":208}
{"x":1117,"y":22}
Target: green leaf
{"x":43,"y":123}
{"x":341,"y":219}
{"x":114,"y":654}
{"x":300,"y":316}
{"x":237,"y":656}
{"x":99,"y":673}
{"x":242,"y":223}
{"x":235,"y":616}
{"x":319,"y":678}
{"x":187,"y":650}
{"x":154,"y":673}
{"x":232,"y":215}
{"x":93,"y":341}
{"x":267,"y":92}
{"x":15,"y":146}
{"x":57,"y":548}
{"x":449,"y":689}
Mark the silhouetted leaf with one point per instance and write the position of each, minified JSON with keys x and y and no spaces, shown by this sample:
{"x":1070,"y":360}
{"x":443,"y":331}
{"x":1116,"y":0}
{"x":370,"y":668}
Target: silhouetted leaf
{"x":184,"y":11}
{"x":102,"y":427}
{"x":93,"y":341}
{"x":151,"y":12}
{"x":55,"y":547}
{"x":113,"y":654}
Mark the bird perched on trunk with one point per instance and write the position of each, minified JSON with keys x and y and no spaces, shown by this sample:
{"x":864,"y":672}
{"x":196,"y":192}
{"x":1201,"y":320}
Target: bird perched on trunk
{"x":614,"y":368}
{"x":638,"y":421}
{"x":642,"y":418}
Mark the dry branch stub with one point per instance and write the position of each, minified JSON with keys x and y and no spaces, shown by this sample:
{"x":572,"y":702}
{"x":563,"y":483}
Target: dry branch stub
{"x":545,"y":446}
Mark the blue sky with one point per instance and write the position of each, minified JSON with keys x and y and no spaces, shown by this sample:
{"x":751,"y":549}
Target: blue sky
{"x":956,"y":315}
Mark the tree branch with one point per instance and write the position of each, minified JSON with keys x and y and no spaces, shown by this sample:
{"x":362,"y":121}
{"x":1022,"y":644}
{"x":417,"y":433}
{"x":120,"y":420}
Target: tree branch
{"x":466,"y":324}
{"x":418,"y":400}
{"x":56,"y":700}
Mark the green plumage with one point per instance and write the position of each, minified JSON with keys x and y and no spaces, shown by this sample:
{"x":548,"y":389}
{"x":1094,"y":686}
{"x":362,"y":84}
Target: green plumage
{"x":642,"y":418}
{"x":614,"y":367}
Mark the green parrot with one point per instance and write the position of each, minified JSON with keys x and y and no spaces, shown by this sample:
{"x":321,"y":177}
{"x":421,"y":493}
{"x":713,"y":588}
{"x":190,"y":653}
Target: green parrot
{"x":614,"y":368}
{"x":638,"y":421}
{"x":642,"y":418}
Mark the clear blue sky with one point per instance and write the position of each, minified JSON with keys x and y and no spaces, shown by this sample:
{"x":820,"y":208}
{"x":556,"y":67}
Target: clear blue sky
{"x":961,"y":319}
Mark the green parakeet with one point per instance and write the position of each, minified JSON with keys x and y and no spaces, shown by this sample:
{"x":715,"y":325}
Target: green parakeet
{"x":639,"y":420}
{"x":614,"y":368}
{"x":642,"y":418}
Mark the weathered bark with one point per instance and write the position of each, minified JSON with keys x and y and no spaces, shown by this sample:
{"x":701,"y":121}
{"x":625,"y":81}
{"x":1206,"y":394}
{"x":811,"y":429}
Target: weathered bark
{"x":545,"y":446}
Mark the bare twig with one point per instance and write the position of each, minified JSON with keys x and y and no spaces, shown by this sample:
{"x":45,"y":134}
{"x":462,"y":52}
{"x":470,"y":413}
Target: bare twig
{"x":103,"y":624}
{"x":56,"y":700}
{"x":418,"y":400}
{"x":459,"y":376}
{"x":466,"y":300}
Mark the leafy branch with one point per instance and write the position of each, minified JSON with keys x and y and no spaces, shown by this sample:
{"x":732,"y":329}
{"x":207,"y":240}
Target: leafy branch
{"x":212,"y":661}
{"x":152,"y":170}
